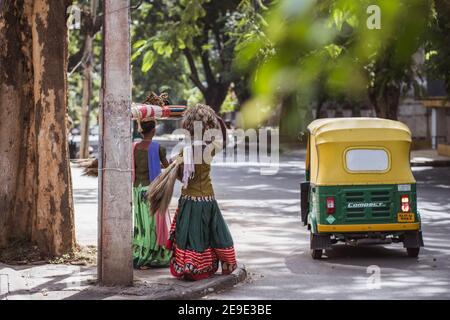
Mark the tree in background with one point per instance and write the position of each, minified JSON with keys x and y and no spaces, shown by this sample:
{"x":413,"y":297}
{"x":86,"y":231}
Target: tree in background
{"x":203,"y":32}
{"x":438,"y":44}
{"x":392,"y":71}
{"x":36,"y":202}
{"x":326,"y":50}
{"x":153,"y":72}
{"x":87,"y":63}
{"x":84,"y":63}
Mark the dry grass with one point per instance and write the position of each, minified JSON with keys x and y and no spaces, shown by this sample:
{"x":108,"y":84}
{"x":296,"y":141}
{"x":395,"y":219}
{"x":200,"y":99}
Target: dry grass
{"x":20,"y":253}
{"x":161,"y":189}
{"x":90,"y":166}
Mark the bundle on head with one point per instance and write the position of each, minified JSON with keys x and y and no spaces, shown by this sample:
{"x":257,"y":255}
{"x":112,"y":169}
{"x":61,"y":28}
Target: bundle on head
{"x":161,"y":100}
{"x":161,"y":189}
{"x":91,"y":165}
{"x":208,"y":117}
{"x":152,"y":99}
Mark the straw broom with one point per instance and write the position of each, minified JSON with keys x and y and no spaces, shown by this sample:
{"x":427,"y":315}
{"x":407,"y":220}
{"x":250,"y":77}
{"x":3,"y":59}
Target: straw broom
{"x":161,"y":189}
{"x":90,"y":166}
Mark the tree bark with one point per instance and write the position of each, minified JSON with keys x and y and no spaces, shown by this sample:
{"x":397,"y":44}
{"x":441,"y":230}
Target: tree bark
{"x":216,"y":94}
{"x":85,"y":104}
{"x":385,"y":101}
{"x":290,"y":120}
{"x":36,"y":202}
{"x":242,"y":89}
{"x":215,"y":88}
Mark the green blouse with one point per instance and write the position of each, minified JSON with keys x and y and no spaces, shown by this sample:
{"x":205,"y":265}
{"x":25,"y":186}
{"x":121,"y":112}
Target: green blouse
{"x":141,"y":165}
{"x":200,"y":185}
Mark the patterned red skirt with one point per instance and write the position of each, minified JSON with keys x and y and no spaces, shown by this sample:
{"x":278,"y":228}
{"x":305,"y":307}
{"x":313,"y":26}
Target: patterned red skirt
{"x":200,"y":241}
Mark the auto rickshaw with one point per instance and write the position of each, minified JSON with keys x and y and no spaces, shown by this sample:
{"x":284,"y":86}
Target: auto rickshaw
{"x":359,"y":186}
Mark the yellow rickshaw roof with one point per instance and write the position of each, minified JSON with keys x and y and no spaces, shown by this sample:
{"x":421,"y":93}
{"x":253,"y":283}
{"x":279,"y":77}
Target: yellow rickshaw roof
{"x":358,"y":129}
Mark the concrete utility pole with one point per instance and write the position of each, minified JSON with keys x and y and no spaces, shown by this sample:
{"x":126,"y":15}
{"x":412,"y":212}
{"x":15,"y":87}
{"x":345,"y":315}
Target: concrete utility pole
{"x":115,"y":265}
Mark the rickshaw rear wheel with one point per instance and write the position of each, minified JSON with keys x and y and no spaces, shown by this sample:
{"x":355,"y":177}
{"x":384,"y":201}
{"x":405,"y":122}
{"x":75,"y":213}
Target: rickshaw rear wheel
{"x":316,"y":253}
{"x":413,"y":252}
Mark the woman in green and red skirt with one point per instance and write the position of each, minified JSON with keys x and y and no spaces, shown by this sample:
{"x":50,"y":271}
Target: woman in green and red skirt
{"x":150,"y":231}
{"x":199,"y":236}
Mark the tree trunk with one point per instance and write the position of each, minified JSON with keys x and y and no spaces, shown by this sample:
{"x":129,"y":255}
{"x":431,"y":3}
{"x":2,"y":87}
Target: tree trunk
{"x":216,"y":94}
{"x":87,"y":82}
{"x":392,"y":101}
{"x":36,"y":202}
{"x":242,"y":90}
{"x":87,"y":94}
{"x":215,"y":91}
{"x":290,"y":119}
{"x":385,"y":101}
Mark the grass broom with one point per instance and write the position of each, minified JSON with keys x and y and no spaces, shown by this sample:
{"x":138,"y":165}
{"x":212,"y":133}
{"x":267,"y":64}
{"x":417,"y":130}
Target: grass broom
{"x":161,"y":189}
{"x":90,"y":166}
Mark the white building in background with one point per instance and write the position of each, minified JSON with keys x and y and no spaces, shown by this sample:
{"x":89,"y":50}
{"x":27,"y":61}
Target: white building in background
{"x":437,"y":106}
{"x":428,"y":118}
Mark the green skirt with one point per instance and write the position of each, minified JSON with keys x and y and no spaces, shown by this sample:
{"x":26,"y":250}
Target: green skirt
{"x":200,"y":240}
{"x":146,"y":251}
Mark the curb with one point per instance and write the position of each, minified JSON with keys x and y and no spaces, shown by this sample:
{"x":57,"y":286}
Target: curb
{"x":213,"y":285}
{"x":433,"y":163}
{"x":156,"y":291}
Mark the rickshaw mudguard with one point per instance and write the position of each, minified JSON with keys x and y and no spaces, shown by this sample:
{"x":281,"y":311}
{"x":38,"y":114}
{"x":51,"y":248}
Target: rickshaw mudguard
{"x":313,"y":223}
{"x":413,"y":239}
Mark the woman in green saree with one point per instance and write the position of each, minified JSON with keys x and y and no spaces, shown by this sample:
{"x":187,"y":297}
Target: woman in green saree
{"x":150,"y":230}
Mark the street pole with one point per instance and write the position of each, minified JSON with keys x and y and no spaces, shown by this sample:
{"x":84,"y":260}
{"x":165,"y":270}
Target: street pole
{"x":433,"y":128}
{"x":115,"y":211}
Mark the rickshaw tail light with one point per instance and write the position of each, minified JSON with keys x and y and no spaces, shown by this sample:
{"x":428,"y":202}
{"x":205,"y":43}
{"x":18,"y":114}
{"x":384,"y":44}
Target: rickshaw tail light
{"x":405,"y":203}
{"x":331,"y":208}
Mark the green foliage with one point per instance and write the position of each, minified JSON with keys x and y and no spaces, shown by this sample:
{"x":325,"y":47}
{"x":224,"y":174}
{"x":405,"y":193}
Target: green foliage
{"x":167,"y":26}
{"x":230,"y":104}
{"x":163,"y":34}
{"x":75,"y":69}
{"x":198,"y":36}
{"x":324,"y":48}
{"x":148,"y":61}
{"x":155,"y":65}
{"x":437,"y":56}
{"x":194,"y":96}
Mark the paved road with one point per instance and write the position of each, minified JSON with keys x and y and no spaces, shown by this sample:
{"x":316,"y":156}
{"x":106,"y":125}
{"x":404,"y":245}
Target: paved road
{"x":263,"y":215}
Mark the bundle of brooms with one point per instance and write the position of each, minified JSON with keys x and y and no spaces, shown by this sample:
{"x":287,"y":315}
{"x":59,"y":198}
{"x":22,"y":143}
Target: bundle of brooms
{"x":160,"y":190}
{"x":90,"y":166}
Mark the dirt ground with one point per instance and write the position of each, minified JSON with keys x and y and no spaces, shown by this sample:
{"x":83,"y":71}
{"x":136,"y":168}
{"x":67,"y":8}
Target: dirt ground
{"x":27,"y":254}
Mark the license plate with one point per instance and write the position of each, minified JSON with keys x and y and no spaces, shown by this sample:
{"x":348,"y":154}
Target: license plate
{"x":405,"y":217}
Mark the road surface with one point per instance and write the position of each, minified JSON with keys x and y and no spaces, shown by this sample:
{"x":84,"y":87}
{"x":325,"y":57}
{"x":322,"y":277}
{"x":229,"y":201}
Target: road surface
{"x":263,"y":216}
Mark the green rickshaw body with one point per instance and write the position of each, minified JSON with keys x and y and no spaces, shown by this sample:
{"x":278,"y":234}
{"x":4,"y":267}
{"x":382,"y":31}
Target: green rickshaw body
{"x":360,"y":188}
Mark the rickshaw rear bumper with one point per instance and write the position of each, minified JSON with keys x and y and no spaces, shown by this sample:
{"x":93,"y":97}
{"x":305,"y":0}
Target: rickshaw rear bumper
{"x":408,"y":233}
{"x":359,"y":228}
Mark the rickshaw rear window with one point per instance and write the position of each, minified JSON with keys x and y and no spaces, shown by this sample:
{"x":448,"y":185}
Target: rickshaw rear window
{"x":363,"y":160}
